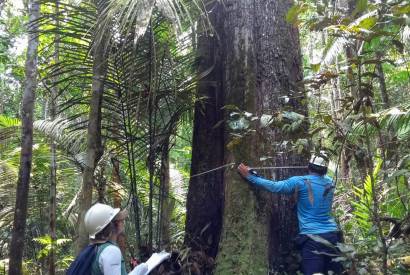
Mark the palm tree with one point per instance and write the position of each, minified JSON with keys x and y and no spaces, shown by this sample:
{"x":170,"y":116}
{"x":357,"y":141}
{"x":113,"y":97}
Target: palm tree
{"x":95,"y":148}
{"x":140,"y":84}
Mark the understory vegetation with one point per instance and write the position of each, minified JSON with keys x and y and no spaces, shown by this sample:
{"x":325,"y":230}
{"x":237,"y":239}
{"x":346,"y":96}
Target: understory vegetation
{"x":356,"y":79}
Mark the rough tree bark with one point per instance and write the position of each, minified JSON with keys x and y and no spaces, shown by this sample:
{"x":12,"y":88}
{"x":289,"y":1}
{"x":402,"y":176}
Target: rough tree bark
{"x":205,"y":193}
{"x":30,"y":85}
{"x":94,"y":145}
{"x":262,"y":64}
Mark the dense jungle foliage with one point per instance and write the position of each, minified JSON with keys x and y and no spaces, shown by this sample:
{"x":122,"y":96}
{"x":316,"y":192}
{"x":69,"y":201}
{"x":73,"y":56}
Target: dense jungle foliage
{"x":356,"y":69}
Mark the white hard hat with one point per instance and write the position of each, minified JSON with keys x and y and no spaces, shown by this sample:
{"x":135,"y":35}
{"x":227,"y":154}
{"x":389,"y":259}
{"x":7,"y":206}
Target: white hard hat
{"x":98,"y":217}
{"x":318,"y":160}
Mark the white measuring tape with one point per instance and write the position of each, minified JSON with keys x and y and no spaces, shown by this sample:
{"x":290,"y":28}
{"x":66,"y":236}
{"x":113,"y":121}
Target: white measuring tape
{"x":217,"y":168}
{"x":250,"y":168}
{"x":278,"y":167}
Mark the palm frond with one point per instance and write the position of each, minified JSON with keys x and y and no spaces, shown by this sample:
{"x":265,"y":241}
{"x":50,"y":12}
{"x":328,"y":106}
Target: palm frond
{"x":9,"y":127}
{"x":72,"y":74}
{"x":132,"y":17}
{"x":147,"y":70}
{"x":395,"y":119}
{"x":129,"y":81}
{"x":405,"y":35}
{"x":336,"y":47}
{"x":398,"y":119}
{"x":6,"y":122}
{"x":72,"y":142}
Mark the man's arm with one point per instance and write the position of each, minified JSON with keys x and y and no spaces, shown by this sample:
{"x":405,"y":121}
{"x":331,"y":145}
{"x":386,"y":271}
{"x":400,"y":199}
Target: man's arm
{"x":284,"y":186}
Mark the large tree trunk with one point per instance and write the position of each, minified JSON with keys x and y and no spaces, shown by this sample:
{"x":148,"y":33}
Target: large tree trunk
{"x":94,"y":145}
{"x":20,"y":212}
{"x":262,"y":64}
{"x":205,"y":193}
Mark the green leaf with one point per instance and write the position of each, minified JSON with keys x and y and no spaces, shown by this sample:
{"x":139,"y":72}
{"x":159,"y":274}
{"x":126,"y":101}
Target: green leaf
{"x":368,"y":23}
{"x":230,"y":107}
{"x":266,"y":120}
{"x":293,"y":13}
{"x":292,"y":116}
{"x":327,"y":119}
{"x":401,"y":9}
{"x":315,"y":67}
{"x":316,"y":130}
{"x":300,"y":148}
{"x":44,"y":240}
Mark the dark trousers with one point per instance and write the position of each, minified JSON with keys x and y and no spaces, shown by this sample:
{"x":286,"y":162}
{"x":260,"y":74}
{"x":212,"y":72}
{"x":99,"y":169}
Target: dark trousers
{"x":316,"y":256}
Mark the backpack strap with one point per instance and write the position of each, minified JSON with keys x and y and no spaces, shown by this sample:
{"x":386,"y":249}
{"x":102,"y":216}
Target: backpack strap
{"x":96,"y":266}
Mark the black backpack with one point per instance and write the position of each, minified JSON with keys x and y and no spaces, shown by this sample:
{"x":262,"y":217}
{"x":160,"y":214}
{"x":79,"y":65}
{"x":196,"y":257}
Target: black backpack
{"x":83,"y":263}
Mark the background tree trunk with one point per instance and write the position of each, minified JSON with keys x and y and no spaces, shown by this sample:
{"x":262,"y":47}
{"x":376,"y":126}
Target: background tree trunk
{"x":382,"y":81}
{"x":165,"y":200}
{"x":116,"y":198}
{"x":94,"y":145}
{"x":205,"y":193}
{"x":262,"y":63}
{"x":20,"y":212}
{"x":53,"y":156}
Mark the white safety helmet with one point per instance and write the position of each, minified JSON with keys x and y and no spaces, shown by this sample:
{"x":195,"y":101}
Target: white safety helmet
{"x":98,"y":217}
{"x":319,"y":160}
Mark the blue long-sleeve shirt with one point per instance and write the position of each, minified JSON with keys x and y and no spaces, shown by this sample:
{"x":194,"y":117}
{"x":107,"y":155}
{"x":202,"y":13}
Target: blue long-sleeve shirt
{"x":314,"y":209}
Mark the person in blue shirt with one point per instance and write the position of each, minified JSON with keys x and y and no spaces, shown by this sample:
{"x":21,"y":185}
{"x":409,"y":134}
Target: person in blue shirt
{"x":314,"y":206}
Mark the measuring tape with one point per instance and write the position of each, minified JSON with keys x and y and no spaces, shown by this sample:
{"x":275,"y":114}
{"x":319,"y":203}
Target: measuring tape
{"x":250,"y":168}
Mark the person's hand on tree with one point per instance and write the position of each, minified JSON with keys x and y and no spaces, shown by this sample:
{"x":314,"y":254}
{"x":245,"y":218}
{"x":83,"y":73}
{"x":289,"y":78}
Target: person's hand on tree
{"x":243,"y":170}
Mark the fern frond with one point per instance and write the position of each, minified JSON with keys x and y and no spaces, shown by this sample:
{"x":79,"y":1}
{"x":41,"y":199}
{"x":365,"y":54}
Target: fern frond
{"x":6,"y":122}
